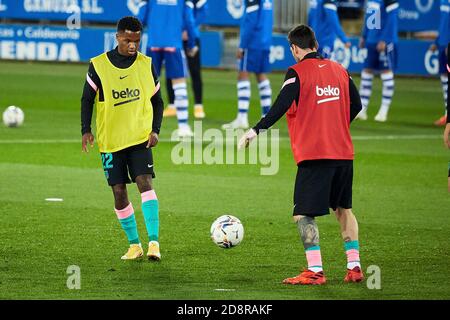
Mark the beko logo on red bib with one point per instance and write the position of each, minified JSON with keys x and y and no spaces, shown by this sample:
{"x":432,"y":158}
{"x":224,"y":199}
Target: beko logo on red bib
{"x":329,"y":93}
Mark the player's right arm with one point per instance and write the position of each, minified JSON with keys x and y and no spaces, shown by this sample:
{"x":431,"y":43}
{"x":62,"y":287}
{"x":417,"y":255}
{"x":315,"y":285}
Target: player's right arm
{"x":91,"y":86}
{"x":362,"y":39}
{"x":290,"y":93}
{"x":144,"y":12}
{"x":390,"y":27}
{"x":447,"y":126}
{"x":443,"y":25}
{"x":249,"y":23}
{"x":201,"y":9}
{"x":333,"y":19}
{"x":189,"y":26}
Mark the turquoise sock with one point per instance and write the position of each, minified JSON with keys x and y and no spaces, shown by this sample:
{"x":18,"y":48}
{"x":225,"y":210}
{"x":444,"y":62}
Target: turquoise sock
{"x":351,"y":245}
{"x":130,"y":227}
{"x":150,"y":209}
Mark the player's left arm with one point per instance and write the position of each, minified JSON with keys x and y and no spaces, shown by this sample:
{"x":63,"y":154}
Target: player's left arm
{"x":443,"y":23}
{"x":355,"y":99}
{"x":189,"y":25}
{"x":447,"y":126}
{"x":332,"y":17}
{"x":448,"y":87}
{"x":249,"y":22}
{"x":158,"y":108}
{"x":144,"y":12}
{"x":201,"y":9}
{"x":390,"y":27}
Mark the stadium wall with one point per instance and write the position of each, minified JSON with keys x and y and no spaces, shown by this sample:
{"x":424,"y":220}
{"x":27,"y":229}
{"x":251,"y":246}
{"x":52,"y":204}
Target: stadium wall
{"x":40,"y":38}
{"x":414,"y":15}
{"x":50,"y":43}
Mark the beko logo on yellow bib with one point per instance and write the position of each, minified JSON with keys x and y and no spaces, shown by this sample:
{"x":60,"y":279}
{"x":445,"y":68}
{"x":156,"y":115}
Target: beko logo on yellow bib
{"x":131,"y":94}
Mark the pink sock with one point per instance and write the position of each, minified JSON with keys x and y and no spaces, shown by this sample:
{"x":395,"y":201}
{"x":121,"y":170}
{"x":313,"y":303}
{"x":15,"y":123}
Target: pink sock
{"x":352,"y":258}
{"x":314,"y":259}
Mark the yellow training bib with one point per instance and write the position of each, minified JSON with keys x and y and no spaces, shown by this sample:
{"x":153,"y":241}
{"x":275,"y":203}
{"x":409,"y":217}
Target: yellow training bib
{"x":125,"y":116}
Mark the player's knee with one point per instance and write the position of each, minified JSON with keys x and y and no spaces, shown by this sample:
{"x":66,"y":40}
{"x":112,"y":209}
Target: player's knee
{"x":119,"y":189}
{"x":261,"y":77}
{"x":144,"y":183}
{"x":178,"y":81}
{"x":243,"y":76}
{"x":120,"y":196}
{"x":195,"y":75}
{"x":342,"y":213}
{"x":298,"y":217}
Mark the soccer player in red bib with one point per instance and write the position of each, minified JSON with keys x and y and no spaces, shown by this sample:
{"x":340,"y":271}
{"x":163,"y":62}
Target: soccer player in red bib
{"x":447,"y":126}
{"x":320,"y":100}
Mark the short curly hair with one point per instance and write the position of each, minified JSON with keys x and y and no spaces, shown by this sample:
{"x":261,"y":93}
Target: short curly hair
{"x":129,"y":23}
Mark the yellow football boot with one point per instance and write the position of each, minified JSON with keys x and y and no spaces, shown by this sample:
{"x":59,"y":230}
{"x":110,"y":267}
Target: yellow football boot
{"x":134,"y":252}
{"x":153,"y":251}
{"x":199,"y":113}
{"x":170,"y":111}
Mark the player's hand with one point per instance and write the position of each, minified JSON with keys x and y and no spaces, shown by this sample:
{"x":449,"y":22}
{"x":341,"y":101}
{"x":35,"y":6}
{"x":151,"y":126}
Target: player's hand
{"x":85,"y":139}
{"x":192,"y":52}
{"x":381,"y":46}
{"x":247,"y":138}
{"x":446,"y":135}
{"x":433,"y":47}
{"x":348,"y":44}
{"x":362,"y":43}
{"x":240,"y":53}
{"x":184,"y":35}
{"x":152,"y":140}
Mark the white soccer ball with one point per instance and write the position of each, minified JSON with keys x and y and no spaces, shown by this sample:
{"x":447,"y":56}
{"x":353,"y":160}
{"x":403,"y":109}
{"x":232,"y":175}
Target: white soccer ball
{"x":13,"y":116}
{"x":227,"y":231}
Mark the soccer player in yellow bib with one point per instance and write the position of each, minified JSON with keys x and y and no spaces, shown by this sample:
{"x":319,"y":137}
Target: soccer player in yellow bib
{"x":124,"y":87}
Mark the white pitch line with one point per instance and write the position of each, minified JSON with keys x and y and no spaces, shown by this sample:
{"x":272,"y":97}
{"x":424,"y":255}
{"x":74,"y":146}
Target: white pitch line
{"x":54,"y":199}
{"x":224,"y":289}
{"x":399,"y":137}
{"x":39,"y":141}
{"x":359,"y":138}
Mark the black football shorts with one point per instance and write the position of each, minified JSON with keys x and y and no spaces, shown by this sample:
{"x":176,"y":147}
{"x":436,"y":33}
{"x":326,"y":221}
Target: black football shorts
{"x":321,"y":185}
{"x":130,"y":162}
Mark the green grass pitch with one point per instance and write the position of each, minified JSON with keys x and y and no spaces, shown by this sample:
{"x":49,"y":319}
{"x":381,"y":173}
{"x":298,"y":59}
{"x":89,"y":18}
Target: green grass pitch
{"x":400,"y":199}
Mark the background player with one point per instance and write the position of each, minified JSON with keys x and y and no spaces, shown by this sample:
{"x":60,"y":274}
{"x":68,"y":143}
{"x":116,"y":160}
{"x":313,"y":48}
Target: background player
{"x":194,"y":64}
{"x":319,"y":129}
{"x":120,"y":82}
{"x":380,"y":37}
{"x":253,"y":56}
{"x":441,"y":44}
{"x":165,"y":21}
{"x":323,"y":19}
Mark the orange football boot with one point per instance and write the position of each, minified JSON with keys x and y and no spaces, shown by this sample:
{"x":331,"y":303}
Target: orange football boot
{"x":441,"y":121}
{"x":354,"y":275}
{"x":307,"y":277}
